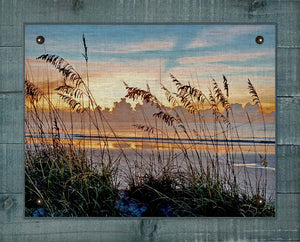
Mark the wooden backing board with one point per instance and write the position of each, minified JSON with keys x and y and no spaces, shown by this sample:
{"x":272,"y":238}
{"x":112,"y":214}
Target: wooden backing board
{"x":15,"y":13}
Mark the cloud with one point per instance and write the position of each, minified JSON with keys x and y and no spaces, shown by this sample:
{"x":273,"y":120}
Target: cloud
{"x":197,"y":43}
{"x":221,"y":34}
{"x":206,"y":70}
{"x":112,"y":68}
{"x":106,"y":77}
{"x":201,"y":77}
{"x":127,"y":70}
{"x":147,"y":45}
{"x":232,"y":56}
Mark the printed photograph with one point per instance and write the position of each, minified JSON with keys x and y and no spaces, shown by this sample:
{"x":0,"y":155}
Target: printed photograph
{"x":150,"y":120}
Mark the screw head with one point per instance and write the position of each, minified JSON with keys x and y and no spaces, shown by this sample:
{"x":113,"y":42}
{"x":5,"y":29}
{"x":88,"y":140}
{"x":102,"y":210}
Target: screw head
{"x":40,"y":40}
{"x":259,"y":40}
{"x":260,"y":202}
{"x":40,"y":202}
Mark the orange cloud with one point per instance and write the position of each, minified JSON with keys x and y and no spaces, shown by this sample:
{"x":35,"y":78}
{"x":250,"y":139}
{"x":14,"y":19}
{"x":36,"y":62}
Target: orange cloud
{"x":149,"y":45}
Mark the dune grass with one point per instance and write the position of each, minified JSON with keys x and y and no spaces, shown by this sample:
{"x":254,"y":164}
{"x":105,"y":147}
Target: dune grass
{"x":67,"y":186}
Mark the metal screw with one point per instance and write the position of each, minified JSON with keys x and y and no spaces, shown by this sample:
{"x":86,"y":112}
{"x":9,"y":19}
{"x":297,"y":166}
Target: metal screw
{"x":259,"y":40}
{"x":40,"y":202}
{"x":40,"y":40}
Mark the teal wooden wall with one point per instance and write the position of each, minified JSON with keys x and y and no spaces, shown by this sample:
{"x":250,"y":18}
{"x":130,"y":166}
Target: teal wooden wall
{"x":13,"y":225}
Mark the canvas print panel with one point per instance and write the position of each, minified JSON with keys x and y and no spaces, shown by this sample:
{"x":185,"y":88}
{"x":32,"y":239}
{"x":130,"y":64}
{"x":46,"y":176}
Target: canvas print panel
{"x":149,"y":120}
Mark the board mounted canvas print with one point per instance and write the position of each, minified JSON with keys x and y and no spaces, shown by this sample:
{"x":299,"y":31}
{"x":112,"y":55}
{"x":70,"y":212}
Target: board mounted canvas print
{"x":150,"y":120}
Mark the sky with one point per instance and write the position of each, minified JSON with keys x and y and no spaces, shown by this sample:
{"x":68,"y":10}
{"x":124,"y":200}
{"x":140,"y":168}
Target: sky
{"x":147,"y":54}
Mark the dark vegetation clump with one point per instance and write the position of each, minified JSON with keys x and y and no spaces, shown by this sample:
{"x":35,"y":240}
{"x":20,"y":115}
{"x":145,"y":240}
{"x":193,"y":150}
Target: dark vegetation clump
{"x":67,"y":186}
{"x":166,"y":197}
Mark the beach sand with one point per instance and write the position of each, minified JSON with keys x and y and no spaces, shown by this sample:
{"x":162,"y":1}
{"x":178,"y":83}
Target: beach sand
{"x":138,"y":161}
{"x":146,"y":157}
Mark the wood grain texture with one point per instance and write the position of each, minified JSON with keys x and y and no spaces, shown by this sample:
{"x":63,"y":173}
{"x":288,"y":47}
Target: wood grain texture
{"x":285,"y":227}
{"x":12,"y":168}
{"x":288,"y":169}
{"x":288,"y":72}
{"x":11,"y":66}
{"x":12,"y":118}
{"x":284,"y":13}
{"x":14,"y":213}
{"x":11,"y":35}
{"x":287,"y":121}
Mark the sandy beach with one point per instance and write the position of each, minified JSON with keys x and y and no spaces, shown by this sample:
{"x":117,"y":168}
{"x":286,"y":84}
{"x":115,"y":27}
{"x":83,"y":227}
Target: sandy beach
{"x":137,"y":161}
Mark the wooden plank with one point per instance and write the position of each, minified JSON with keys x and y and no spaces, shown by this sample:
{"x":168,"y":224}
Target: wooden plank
{"x":286,"y":225}
{"x":89,"y":236}
{"x":287,"y":122}
{"x":12,"y":118}
{"x":11,"y":69}
{"x":285,"y":13}
{"x":288,"y":72}
{"x":288,"y":169}
{"x":11,"y":35}
{"x":12,"y":168}
{"x":12,"y":208}
{"x":288,"y":212}
{"x":282,"y":228}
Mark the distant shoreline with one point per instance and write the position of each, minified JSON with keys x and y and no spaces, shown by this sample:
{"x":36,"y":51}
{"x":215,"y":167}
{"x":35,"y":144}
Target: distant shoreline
{"x":256,"y":140}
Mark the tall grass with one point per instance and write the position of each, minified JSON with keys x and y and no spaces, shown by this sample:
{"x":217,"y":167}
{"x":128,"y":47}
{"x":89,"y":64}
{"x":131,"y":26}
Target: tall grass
{"x":59,"y":172}
{"x":210,"y":186}
{"x":73,"y":181}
